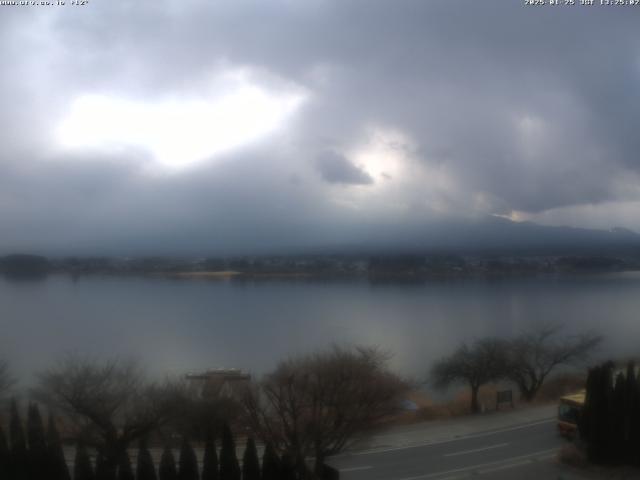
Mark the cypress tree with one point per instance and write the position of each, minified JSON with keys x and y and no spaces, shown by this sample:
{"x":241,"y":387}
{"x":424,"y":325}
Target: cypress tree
{"x":125,"y":471}
{"x":598,"y":437}
{"x":630,"y":399}
{"x":145,"y":469}
{"x":617,"y":425}
{"x":188,"y":463}
{"x":585,"y":421}
{"x":101,"y":467}
{"x":38,"y":458}
{"x":57,"y":463}
{"x":635,"y":427}
{"x":105,"y":470}
{"x":270,"y":464}
{"x":167,"y":470}
{"x":329,"y":473}
{"x":18,"y":462}
{"x":82,"y":469}
{"x":606,"y":424}
{"x":287,"y":468}
{"x":4,"y":455}
{"x":250,"y":462}
{"x":599,"y":420}
{"x":229,"y":467}
{"x":210,"y":460}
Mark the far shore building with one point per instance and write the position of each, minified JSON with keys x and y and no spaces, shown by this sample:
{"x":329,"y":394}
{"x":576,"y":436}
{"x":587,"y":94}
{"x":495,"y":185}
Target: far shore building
{"x":219,"y":382}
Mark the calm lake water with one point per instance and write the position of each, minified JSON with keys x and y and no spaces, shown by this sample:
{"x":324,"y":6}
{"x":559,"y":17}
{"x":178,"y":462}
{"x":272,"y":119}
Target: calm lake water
{"x":183,"y":325}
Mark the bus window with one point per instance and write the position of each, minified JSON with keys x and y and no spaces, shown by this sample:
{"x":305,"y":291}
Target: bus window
{"x":568,"y":413}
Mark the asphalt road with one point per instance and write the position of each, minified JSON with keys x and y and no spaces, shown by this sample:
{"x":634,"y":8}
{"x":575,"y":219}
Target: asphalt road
{"x":489,"y":454}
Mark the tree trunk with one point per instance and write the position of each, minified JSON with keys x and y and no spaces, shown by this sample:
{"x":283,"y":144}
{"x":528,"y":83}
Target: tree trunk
{"x":529,"y":392}
{"x":302,"y":470}
{"x":319,"y":464}
{"x":112,"y":452}
{"x":475,"y":406}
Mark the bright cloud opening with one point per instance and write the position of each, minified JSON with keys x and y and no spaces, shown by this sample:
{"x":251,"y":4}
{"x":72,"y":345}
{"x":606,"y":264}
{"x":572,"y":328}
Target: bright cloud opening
{"x":178,"y":132}
{"x":385,"y":154}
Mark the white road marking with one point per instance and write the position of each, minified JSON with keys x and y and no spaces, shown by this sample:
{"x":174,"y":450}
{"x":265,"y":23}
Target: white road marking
{"x":438,"y":442}
{"x":515,"y":464}
{"x":498,"y":464}
{"x":355,"y":469}
{"x":465,"y":452}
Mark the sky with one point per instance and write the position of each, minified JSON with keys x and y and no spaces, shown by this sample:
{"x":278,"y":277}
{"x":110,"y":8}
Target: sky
{"x":247,"y":125}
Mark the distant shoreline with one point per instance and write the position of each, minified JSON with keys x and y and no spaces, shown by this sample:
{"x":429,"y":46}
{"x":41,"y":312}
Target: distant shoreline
{"x":342,"y":276}
{"x":401,"y":268}
{"x":205,"y":274}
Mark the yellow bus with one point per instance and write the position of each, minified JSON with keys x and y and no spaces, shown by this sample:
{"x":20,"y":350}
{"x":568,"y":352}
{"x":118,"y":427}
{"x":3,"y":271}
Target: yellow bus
{"x":568,"y":413}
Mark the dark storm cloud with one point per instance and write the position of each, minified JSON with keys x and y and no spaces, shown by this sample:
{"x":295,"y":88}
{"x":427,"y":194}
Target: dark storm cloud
{"x":335,"y":168}
{"x":504,"y":108}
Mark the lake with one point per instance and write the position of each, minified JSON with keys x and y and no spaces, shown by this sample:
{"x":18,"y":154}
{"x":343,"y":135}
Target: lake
{"x":184,"y":325}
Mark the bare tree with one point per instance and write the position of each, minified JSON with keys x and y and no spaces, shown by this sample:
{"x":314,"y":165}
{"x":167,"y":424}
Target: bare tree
{"x":534,"y":355}
{"x":316,"y":405}
{"x":6,"y":380}
{"x":482,"y":362}
{"x":110,"y":402}
{"x":205,"y":409}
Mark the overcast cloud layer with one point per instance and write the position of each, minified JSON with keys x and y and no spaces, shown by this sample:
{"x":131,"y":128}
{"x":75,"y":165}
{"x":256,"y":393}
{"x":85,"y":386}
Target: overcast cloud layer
{"x":205,"y":126}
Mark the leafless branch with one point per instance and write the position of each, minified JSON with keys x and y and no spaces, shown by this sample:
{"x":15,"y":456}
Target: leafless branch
{"x":535,"y":354}
{"x":316,"y":405}
{"x":476,"y":364}
{"x":110,"y":401}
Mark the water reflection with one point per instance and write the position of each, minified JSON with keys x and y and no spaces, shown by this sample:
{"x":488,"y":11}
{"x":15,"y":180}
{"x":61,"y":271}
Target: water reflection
{"x":179,"y":325}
